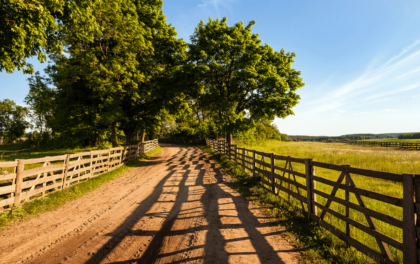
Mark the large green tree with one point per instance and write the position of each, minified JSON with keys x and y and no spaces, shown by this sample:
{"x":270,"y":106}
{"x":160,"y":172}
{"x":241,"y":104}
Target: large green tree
{"x":103,"y":69}
{"x":240,"y":80}
{"x":158,"y":89}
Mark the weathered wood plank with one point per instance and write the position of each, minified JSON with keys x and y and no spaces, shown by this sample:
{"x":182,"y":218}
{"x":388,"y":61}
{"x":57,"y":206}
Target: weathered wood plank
{"x":8,"y":201}
{"x":8,"y":164}
{"x":292,"y":193}
{"x":352,"y":242}
{"x":7,"y":189}
{"x":395,"y":243}
{"x":45,"y":159}
{"x":80,"y":154}
{"x":384,"y":218}
{"x":45,"y":169}
{"x":373,"y":195}
{"x":363,"y":172}
{"x":295,"y":183}
{"x":291,"y":171}
{"x":6,"y":177}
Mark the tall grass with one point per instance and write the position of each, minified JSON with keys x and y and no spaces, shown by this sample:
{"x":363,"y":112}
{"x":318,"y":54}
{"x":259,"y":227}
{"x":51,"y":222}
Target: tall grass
{"x":367,"y":157}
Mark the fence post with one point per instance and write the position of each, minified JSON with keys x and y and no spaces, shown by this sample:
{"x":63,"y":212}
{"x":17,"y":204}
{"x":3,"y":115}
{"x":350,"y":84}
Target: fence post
{"x":288,"y":184}
{"x":229,"y":151}
{"x":308,"y":170}
{"x":417,"y":218}
{"x":409,"y":229}
{"x":253,"y":163}
{"x":273,"y":180}
{"x":347,"y":197}
{"x":109,"y":159}
{"x":19,"y":180}
{"x":66,"y":171}
{"x":243,"y":158}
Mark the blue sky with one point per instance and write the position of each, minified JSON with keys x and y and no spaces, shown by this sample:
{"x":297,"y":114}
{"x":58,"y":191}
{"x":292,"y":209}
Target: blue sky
{"x":359,"y":59}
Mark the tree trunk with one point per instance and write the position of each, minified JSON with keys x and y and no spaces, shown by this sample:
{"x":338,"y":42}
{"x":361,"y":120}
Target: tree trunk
{"x":130,"y":134}
{"x":114,"y":134}
{"x":142,"y":137}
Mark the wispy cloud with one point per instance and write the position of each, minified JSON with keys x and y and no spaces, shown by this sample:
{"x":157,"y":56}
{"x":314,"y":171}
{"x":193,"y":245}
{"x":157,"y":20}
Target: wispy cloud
{"x":377,"y":81}
{"x":404,"y":51}
{"x":400,"y":90}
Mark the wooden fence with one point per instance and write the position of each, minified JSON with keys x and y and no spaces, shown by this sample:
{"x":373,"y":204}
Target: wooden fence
{"x":302,"y":186}
{"x":404,"y":145}
{"x":31,"y":179}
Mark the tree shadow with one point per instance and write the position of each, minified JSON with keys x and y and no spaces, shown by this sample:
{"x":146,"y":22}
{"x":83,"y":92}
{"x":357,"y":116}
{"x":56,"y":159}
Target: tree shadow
{"x":209,"y":184}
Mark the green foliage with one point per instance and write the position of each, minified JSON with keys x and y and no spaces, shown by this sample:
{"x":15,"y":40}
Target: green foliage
{"x":159,"y":93}
{"x":34,"y":28}
{"x":12,"y":120}
{"x":99,"y":75}
{"x":263,"y":131}
{"x":40,"y":101}
{"x":18,"y":43}
{"x":409,"y":136}
{"x":240,"y":80}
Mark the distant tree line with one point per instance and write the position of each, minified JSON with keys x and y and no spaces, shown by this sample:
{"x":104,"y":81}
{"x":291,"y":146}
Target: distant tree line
{"x":117,"y":71}
{"x":409,"y":136}
{"x":342,"y":138}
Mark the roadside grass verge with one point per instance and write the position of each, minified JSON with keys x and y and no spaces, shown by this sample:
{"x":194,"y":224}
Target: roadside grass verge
{"x":57,"y":199}
{"x":317,"y":245}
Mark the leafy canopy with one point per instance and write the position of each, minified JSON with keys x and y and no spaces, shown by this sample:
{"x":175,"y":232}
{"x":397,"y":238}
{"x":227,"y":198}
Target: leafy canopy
{"x":33,"y":28}
{"x":240,"y":80}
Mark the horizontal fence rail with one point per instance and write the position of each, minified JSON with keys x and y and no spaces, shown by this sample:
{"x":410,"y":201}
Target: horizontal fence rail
{"x":331,"y":198}
{"x":404,"y":145}
{"x":28,"y":179}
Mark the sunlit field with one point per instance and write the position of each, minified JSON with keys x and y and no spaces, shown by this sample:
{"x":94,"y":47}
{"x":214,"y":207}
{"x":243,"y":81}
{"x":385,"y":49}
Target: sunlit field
{"x":366,"y":157}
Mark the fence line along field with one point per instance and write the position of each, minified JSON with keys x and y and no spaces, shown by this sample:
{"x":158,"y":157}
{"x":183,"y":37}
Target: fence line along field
{"x":28,"y":179}
{"x":371,"y":210}
{"x":395,"y":144}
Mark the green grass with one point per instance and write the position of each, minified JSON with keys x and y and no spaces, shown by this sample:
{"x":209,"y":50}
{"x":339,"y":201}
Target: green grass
{"x":317,"y":244}
{"x":367,"y":157}
{"x":57,"y":199}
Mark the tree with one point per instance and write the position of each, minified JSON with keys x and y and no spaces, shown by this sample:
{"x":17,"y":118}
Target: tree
{"x":240,"y":80}
{"x":40,"y":100}
{"x":12,"y":120}
{"x":103,"y":67}
{"x":158,"y":91}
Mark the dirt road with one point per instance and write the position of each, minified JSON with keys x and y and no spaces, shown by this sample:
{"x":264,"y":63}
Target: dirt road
{"x":176,"y":208}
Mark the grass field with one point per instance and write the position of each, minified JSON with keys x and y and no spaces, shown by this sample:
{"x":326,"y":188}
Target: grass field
{"x":366,"y":157}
